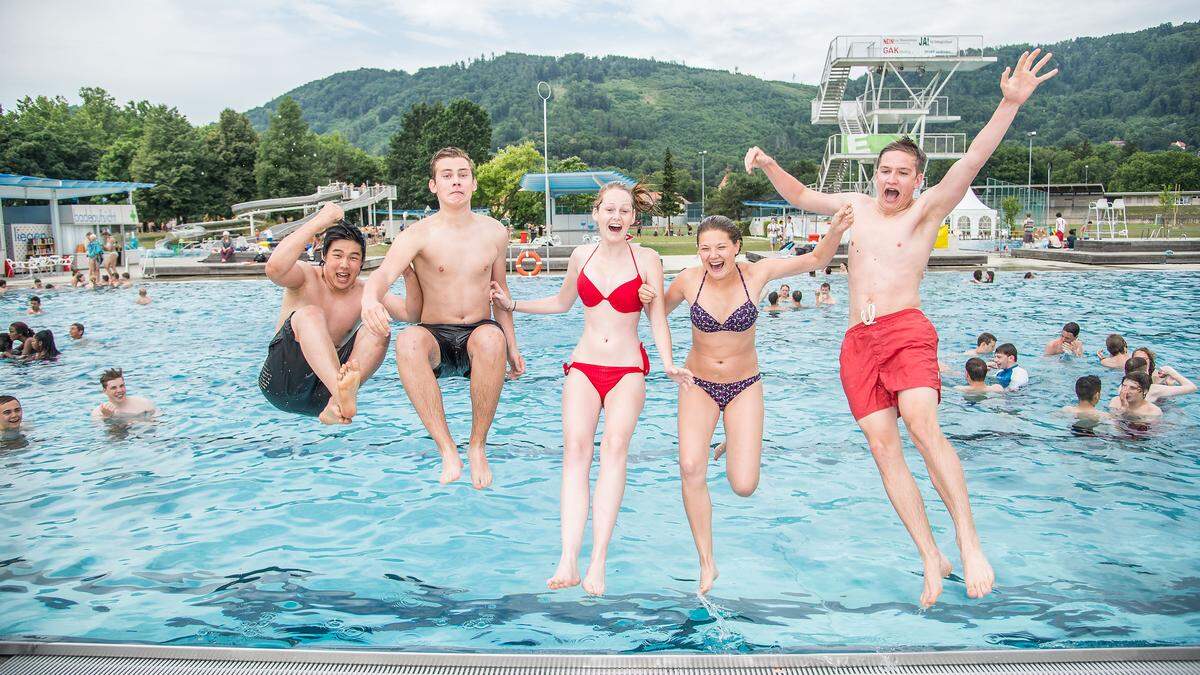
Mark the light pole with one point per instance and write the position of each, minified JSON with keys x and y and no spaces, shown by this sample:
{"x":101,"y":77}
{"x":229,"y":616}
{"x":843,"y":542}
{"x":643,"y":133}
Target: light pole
{"x":1085,"y":176}
{"x":546,"y":148}
{"x":1029,"y":174}
{"x":702,"y":153}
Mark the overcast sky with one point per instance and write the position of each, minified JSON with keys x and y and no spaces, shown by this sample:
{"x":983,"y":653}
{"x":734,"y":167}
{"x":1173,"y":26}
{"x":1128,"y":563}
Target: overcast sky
{"x":205,"y":56}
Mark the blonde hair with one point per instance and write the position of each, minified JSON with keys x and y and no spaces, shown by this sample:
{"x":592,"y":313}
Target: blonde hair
{"x":643,"y":201}
{"x":446,"y":153}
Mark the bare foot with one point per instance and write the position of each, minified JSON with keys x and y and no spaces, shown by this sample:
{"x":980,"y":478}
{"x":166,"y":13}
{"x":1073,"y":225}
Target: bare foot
{"x":332,"y":414}
{"x":565,"y":576}
{"x":451,"y":467}
{"x":708,"y":576}
{"x":720,"y":450}
{"x":977,"y":572}
{"x":936,"y":569}
{"x":481,"y":474}
{"x":593,"y":583}
{"x":349,"y":377}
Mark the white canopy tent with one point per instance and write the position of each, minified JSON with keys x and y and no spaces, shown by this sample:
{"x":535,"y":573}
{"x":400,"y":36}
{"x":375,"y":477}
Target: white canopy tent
{"x":971,"y":217}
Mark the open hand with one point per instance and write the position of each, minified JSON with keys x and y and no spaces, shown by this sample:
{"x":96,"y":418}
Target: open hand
{"x":1024,"y":79}
{"x":646,"y":293}
{"x":681,"y":376}
{"x":757,"y":159}
{"x":107,"y":409}
{"x":375,"y":317}
{"x":502,"y":299}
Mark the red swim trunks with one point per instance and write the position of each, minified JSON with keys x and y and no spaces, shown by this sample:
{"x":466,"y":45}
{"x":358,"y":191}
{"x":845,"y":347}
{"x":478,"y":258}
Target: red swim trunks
{"x":897,"y":352}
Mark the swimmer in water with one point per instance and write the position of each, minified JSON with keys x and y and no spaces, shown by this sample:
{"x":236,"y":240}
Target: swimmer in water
{"x":976,"y":372}
{"x":1087,"y":391}
{"x":1130,"y":401}
{"x":1067,"y":342}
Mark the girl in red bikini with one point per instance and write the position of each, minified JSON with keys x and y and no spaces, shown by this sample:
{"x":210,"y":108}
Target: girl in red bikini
{"x":607,"y":370}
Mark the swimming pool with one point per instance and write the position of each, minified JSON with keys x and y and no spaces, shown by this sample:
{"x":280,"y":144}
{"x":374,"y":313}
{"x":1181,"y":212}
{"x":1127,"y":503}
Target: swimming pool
{"x":230,"y":523}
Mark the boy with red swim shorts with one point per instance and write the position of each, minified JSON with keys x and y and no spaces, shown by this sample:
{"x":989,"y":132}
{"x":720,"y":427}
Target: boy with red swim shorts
{"x":889,"y":357}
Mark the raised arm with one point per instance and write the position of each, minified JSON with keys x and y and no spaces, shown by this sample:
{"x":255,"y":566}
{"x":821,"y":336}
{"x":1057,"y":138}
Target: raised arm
{"x":796,"y":193}
{"x":404,"y":248}
{"x":941,"y":199}
{"x":555,"y":304}
{"x":1185,"y":385}
{"x":769,"y":269}
{"x":283,"y":267}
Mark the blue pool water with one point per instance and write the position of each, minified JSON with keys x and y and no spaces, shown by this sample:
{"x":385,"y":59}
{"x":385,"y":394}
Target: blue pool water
{"x":227,"y":522}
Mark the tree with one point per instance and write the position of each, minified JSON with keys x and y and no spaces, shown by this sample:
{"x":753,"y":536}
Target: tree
{"x":41,"y":138}
{"x":337,"y":160}
{"x":231,"y":150}
{"x":407,"y":161}
{"x":739,"y":187}
{"x":168,"y":155}
{"x":1168,"y":199}
{"x":286,"y":154}
{"x":500,"y":185}
{"x":1009,"y":208}
{"x":668,"y":202}
{"x":463,"y":125}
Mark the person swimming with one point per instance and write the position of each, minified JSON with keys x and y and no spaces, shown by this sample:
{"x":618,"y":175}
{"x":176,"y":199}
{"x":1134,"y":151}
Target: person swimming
{"x":976,"y":372}
{"x":1087,"y":391}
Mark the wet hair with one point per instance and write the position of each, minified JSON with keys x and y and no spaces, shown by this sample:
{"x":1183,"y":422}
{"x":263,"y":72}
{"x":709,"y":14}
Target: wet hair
{"x":1029,"y":275}
{"x":1115,"y":344}
{"x":46,"y":346}
{"x":21,"y":329}
{"x":7,"y":399}
{"x":1135,"y":364}
{"x":6,"y":343}
{"x":49,"y":286}
{"x":446,"y":153}
{"x":79,"y":326}
{"x":984,"y":338}
{"x":976,"y":369}
{"x":721,"y":224}
{"x":141,"y":291}
{"x":906,"y":145}
{"x":825,"y":286}
{"x":110,"y":375}
{"x":1007,"y":349}
{"x":341,"y":231}
{"x":3,"y":283}
{"x":797,"y":296}
{"x":34,"y":298}
{"x":978,"y":274}
{"x":828,"y":270}
{"x":1141,"y":379}
{"x":773,"y":297}
{"x":643,"y":201}
{"x":124,"y":275}
{"x":1151,"y":358}
{"x":1072,"y":328}
{"x":103,"y":277}
{"x":991,"y":276}
{"x":1087,"y":387}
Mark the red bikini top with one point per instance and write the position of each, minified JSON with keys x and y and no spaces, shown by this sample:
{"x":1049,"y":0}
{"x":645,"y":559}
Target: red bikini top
{"x":624,"y":298}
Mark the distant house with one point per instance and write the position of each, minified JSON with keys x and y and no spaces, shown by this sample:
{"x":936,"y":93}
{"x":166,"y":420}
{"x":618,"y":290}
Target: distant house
{"x":679,"y":220}
{"x":1117,"y":142}
{"x":1179,"y":144}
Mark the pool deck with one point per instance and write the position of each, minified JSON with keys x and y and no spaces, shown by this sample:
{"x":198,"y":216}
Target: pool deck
{"x":28,"y":658}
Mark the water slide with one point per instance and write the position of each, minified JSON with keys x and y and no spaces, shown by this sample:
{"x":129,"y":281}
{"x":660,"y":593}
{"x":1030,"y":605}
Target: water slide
{"x":323,"y":194}
{"x":373,"y":195}
{"x":197,"y":231}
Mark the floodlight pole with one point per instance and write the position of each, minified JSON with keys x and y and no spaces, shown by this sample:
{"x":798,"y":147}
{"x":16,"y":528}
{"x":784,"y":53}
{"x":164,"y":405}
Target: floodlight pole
{"x":546,"y":147}
{"x":702,"y":153}
{"x":1029,"y":175}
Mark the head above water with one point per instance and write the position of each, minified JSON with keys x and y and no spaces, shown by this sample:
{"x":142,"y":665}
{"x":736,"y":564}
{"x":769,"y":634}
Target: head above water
{"x":899,"y":171}
{"x":76,"y":330}
{"x":1137,"y":364}
{"x":617,"y":206}
{"x":1087,"y":388}
{"x":1115,"y":344}
{"x":1006,"y":355}
{"x":1134,"y":387}
{"x":112,"y":381}
{"x":1148,"y":354}
{"x":976,"y":369}
{"x":10,"y":413}
{"x":985,"y":339}
{"x":773,"y":298}
{"x":797,"y":296}
{"x":452,"y":177}
{"x":19,"y":330}
{"x":978,"y":274}
{"x":44,"y":344}
{"x":1070,"y":329}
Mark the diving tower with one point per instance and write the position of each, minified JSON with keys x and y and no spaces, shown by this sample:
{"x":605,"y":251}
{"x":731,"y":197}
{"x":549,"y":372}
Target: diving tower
{"x":906,"y":75}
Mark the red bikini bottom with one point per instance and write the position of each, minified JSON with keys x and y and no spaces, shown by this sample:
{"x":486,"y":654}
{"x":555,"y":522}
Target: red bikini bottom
{"x":604,"y":378}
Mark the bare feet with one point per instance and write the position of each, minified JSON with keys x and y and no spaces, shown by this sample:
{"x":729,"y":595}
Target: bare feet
{"x":977,"y":572}
{"x":349,"y":377}
{"x":593,"y":583}
{"x":720,"y":450}
{"x":565,"y":576}
{"x":332,"y":414}
{"x":708,"y":576}
{"x":936,"y":569}
{"x":481,"y":474}
{"x":451,"y":467}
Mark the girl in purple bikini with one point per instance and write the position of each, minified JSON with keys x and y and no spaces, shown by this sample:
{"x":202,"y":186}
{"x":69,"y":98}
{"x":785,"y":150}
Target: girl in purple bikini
{"x":725,"y":364}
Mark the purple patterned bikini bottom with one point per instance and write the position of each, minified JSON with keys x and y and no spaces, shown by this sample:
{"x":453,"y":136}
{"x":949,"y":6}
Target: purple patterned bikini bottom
{"x":723,"y":393}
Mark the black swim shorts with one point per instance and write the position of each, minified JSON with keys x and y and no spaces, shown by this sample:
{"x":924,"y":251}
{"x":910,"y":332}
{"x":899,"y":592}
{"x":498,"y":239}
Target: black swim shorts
{"x":452,"y":342}
{"x":286,"y":379}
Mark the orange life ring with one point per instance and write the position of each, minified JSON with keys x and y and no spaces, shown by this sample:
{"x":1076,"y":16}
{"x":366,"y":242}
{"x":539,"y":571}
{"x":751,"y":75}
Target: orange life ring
{"x":537,"y":263}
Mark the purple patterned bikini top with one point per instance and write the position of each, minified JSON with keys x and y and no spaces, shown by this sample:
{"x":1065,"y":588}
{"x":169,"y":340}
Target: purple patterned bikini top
{"x":742,"y":319}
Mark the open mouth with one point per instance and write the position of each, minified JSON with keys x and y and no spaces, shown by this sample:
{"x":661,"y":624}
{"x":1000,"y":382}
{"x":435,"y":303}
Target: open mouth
{"x":614,"y":227}
{"x":891,"y":195}
{"x":716,"y":264}
{"x":342,"y":277}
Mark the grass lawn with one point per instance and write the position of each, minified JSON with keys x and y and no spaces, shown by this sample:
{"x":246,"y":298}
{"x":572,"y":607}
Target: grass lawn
{"x":687,"y":245}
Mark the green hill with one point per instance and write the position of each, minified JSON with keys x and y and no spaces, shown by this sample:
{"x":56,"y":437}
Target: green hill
{"x":623,"y":112}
